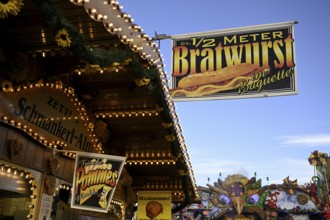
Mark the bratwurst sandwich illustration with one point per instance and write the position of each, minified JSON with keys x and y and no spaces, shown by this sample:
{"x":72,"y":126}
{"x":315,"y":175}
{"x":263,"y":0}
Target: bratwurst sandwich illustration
{"x":208,"y":83}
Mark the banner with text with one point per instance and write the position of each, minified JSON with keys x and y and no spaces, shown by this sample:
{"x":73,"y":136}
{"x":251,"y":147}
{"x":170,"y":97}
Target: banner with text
{"x":154,"y":205}
{"x":257,"y":61}
{"x":95,"y":180}
{"x":50,"y":114}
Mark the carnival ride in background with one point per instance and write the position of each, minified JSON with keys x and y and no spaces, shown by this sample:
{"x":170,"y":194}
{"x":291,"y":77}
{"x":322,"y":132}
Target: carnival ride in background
{"x":241,"y":198}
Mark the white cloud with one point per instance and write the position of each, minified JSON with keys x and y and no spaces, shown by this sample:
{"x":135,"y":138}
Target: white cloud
{"x":308,"y":140}
{"x":276,"y":169}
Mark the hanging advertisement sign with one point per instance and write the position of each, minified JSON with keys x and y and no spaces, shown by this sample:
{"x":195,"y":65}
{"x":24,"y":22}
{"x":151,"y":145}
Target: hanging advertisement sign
{"x":154,"y":205}
{"x":245,"y":62}
{"x":95,"y":180}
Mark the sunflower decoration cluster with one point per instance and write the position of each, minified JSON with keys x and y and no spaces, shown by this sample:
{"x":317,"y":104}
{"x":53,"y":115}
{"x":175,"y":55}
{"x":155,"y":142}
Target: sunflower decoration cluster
{"x":170,"y":137}
{"x":183,"y":172}
{"x":10,"y":7}
{"x":142,"y":82}
{"x":63,"y":38}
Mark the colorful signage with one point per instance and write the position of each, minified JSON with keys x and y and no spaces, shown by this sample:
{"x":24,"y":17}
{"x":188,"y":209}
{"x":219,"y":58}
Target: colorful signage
{"x":154,"y":205}
{"x":95,"y":180}
{"x":245,"y":62}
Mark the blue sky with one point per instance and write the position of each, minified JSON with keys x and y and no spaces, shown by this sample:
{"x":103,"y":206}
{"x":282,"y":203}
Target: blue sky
{"x":270,"y":136}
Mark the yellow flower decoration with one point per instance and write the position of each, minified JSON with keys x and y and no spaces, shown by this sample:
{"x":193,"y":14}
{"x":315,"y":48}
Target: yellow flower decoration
{"x":142,"y":82}
{"x":127,"y":61}
{"x":62,"y":38}
{"x":159,"y":109}
{"x":115,"y":64}
{"x":7,"y":86}
{"x":183,"y":173}
{"x":170,"y":137}
{"x":167,"y":125}
{"x":10,"y":7}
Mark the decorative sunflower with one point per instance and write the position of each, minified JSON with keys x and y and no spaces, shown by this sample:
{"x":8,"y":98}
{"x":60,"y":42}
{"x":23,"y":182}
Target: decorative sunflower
{"x":10,"y":7}
{"x":127,"y":61}
{"x":62,"y":38}
{"x":183,"y":173}
{"x":167,"y":125}
{"x":142,"y":82}
{"x":170,"y":137}
{"x":7,"y":86}
{"x":115,"y":64}
{"x":159,"y":109}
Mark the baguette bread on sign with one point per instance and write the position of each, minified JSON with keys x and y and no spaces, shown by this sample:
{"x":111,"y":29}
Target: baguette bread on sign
{"x":215,"y":81}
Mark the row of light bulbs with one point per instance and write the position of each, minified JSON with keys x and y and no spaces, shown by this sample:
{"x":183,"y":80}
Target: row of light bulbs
{"x":6,"y":169}
{"x":158,"y":62}
{"x":148,"y":154}
{"x":97,"y":15}
{"x":69,"y":188}
{"x":150,"y":162}
{"x":126,"y":114}
{"x":80,"y":109}
{"x":163,"y":185}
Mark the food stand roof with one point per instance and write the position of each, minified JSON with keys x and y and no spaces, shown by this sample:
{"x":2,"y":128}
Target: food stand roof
{"x":117,"y":72}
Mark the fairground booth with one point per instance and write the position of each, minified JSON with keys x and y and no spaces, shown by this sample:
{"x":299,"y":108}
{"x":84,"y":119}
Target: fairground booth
{"x":87,"y":126}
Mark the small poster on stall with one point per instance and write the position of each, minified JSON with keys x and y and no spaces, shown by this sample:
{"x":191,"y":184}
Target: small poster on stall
{"x":46,"y":207}
{"x":95,"y":180}
{"x":155,"y":205}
